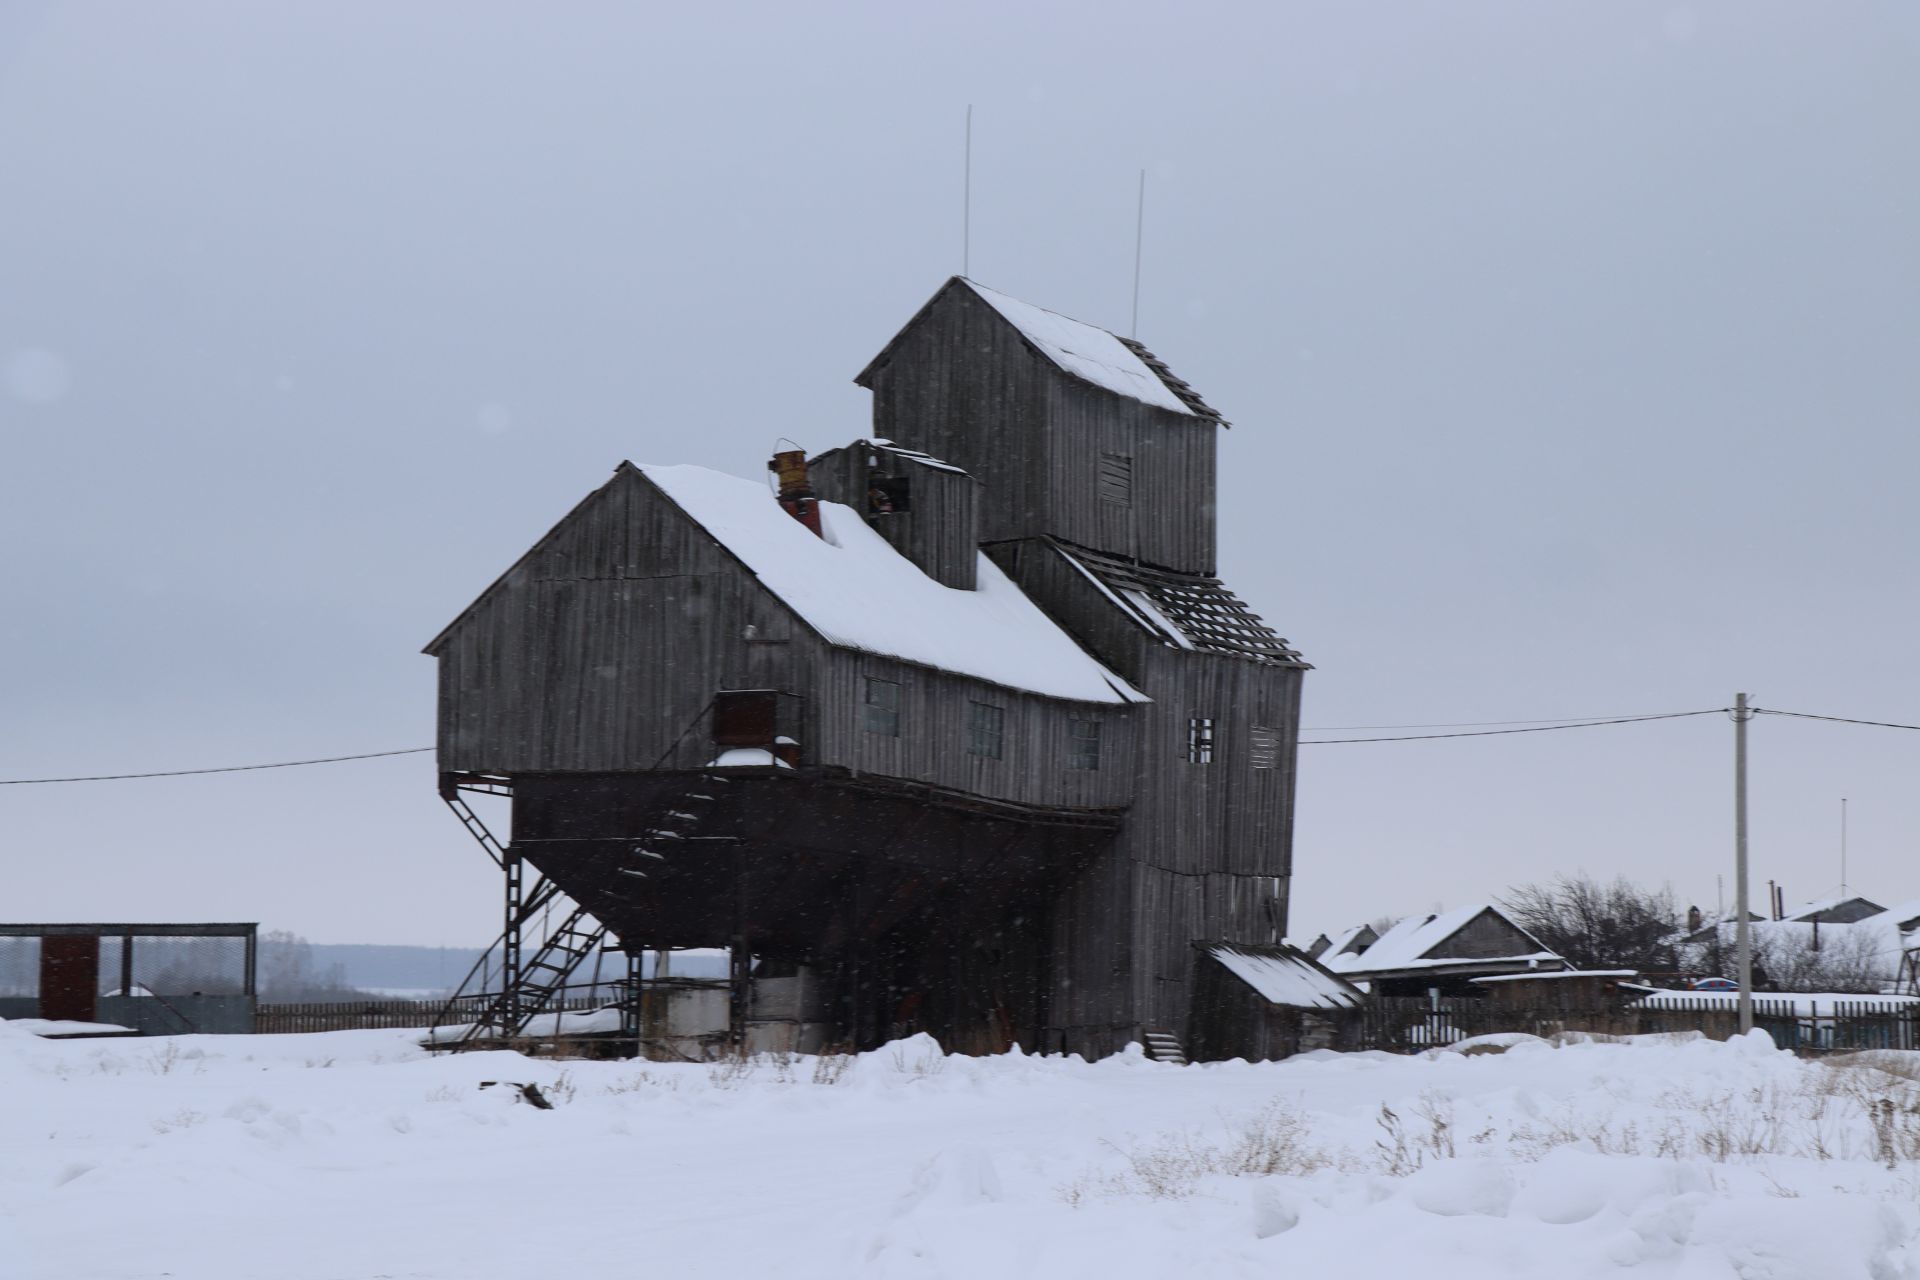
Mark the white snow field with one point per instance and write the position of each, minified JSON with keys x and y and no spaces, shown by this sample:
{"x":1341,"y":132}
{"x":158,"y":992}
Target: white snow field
{"x":354,"y":1155}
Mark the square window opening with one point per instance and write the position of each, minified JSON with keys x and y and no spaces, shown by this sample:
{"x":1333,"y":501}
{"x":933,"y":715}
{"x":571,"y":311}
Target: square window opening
{"x":986,"y":730}
{"x":881,"y":707}
{"x":1083,"y":744}
{"x":1200,"y":740}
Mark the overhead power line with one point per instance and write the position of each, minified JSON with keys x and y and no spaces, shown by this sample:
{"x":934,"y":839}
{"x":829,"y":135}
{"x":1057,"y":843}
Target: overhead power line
{"x":231,"y":768}
{"x":1543,"y":728}
{"x":1481,"y":724}
{"x":1803,"y":715}
{"x":1524,"y":726}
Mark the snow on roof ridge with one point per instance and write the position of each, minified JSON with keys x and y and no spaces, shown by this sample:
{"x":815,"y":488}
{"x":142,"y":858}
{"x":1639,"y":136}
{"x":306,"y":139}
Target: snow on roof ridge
{"x":1084,"y":350}
{"x":858,"y":592}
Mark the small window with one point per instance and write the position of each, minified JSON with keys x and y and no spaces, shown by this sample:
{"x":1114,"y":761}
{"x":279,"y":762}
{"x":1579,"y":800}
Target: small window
{"x":1200,"y":740}
{"x":1116,"y":479}
{"x":889,"y":495}
{"x":1264,"y":750}
{"x":882,"y":710}
{"x":986,"y":730}
{"x":1083,"y":744}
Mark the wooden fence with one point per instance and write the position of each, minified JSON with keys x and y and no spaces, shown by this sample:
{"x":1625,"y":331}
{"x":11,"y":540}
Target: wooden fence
{"x":365,"y":1015}
{"x":1410,"y":1024}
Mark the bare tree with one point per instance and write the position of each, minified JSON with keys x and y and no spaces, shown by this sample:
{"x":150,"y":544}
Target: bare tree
{"x":1599,"y":926}
{"x":287,"y":970}
{"x":1848,"y":961}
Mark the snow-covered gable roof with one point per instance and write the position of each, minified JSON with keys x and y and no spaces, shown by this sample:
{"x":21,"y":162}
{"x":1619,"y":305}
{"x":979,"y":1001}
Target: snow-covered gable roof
{"x":1081,"y":350}
{"x":859,"y":593}
{"x":1410,"y":944}
{"x":1089,"y":353}
{"x":1285,"y":976}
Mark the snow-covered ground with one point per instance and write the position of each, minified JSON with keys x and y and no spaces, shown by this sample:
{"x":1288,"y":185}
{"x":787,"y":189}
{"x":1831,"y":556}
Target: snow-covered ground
{"x":353,"y":1154}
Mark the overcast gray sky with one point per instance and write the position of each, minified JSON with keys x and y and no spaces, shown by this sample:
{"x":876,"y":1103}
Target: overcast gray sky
{"x":1571,"y":351}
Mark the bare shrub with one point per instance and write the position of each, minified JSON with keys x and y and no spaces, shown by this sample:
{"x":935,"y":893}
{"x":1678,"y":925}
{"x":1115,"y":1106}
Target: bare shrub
{"x":1271,"y":1142}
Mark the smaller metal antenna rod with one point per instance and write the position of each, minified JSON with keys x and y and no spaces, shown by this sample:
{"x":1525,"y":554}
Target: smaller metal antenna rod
{"x":966,"y":202}
{"x":1843,"y":846}
{"x":1742,"y":930}
{"x":1139,"y":237}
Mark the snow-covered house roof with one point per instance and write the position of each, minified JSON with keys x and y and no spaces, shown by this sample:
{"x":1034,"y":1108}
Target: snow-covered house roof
{"x":1087,"y":352}
{"x":1285,"y":976}
{"x":1904,"y":916}
{"x":1428,"y":943}
{"x":854,"y":589}
{"x":1836,"y":910}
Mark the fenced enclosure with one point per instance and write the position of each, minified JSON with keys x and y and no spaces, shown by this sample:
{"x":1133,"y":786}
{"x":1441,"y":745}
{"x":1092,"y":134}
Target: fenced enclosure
{"x":156,"y":979}
{"x":1799,"y":1023}
{"x":368,"y":1015}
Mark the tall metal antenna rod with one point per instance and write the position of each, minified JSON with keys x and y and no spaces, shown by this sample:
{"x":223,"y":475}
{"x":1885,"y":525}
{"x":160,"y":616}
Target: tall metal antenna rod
{"x":966,"y":203}
{"x":1139,"y":236}
{"x":1843,"y":846}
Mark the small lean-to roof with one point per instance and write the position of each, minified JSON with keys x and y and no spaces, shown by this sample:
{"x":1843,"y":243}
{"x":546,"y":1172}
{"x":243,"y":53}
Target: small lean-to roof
{"x":1087,"y":352}
{"x":1184,"y":610}
{"x":1557,"y":975}
{"x":858,"y":592}
{"x":1285,"y":975}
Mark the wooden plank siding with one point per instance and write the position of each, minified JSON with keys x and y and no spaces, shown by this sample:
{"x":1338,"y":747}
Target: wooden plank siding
{"x":600,"y":651}
{"x":932,"y":743}
{"x":1169,"y":518}
{"x":1207,"y":847}
{"x":960,"y":383}
{"x":939,"y":530}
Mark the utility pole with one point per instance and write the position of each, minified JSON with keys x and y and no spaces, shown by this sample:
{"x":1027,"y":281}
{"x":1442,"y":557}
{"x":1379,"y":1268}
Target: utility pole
{"x":1742,"y":929}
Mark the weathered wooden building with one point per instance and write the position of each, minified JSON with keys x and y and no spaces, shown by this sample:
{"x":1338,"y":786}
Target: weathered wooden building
{"x":963,"y":725}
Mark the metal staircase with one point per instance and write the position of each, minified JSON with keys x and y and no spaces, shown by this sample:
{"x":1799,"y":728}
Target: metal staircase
{"x":541,"y":979}
{"x":534,"y":986}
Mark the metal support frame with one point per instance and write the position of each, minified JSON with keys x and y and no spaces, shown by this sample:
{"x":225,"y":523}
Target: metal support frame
{"x":510,"y":973}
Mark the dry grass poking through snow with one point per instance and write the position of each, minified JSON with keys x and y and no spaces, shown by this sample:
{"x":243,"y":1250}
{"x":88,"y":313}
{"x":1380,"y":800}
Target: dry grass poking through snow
{"x":1862,"y":1107}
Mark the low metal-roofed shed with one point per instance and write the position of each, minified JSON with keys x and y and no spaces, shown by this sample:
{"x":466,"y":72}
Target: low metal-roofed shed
{"x":1267,"y":1001}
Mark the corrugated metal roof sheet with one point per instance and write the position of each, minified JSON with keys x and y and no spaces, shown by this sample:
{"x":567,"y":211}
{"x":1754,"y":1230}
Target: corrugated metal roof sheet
{"x":1285,"y":976}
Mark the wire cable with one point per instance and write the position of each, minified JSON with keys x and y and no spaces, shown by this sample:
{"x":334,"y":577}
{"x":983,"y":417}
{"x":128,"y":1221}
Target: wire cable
{"x":1803,"y":715}
{"x":1525,"y":726}
{"x":1478,"y":724}
{"x":232,"y":768}
{"x":1545,"y":728}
